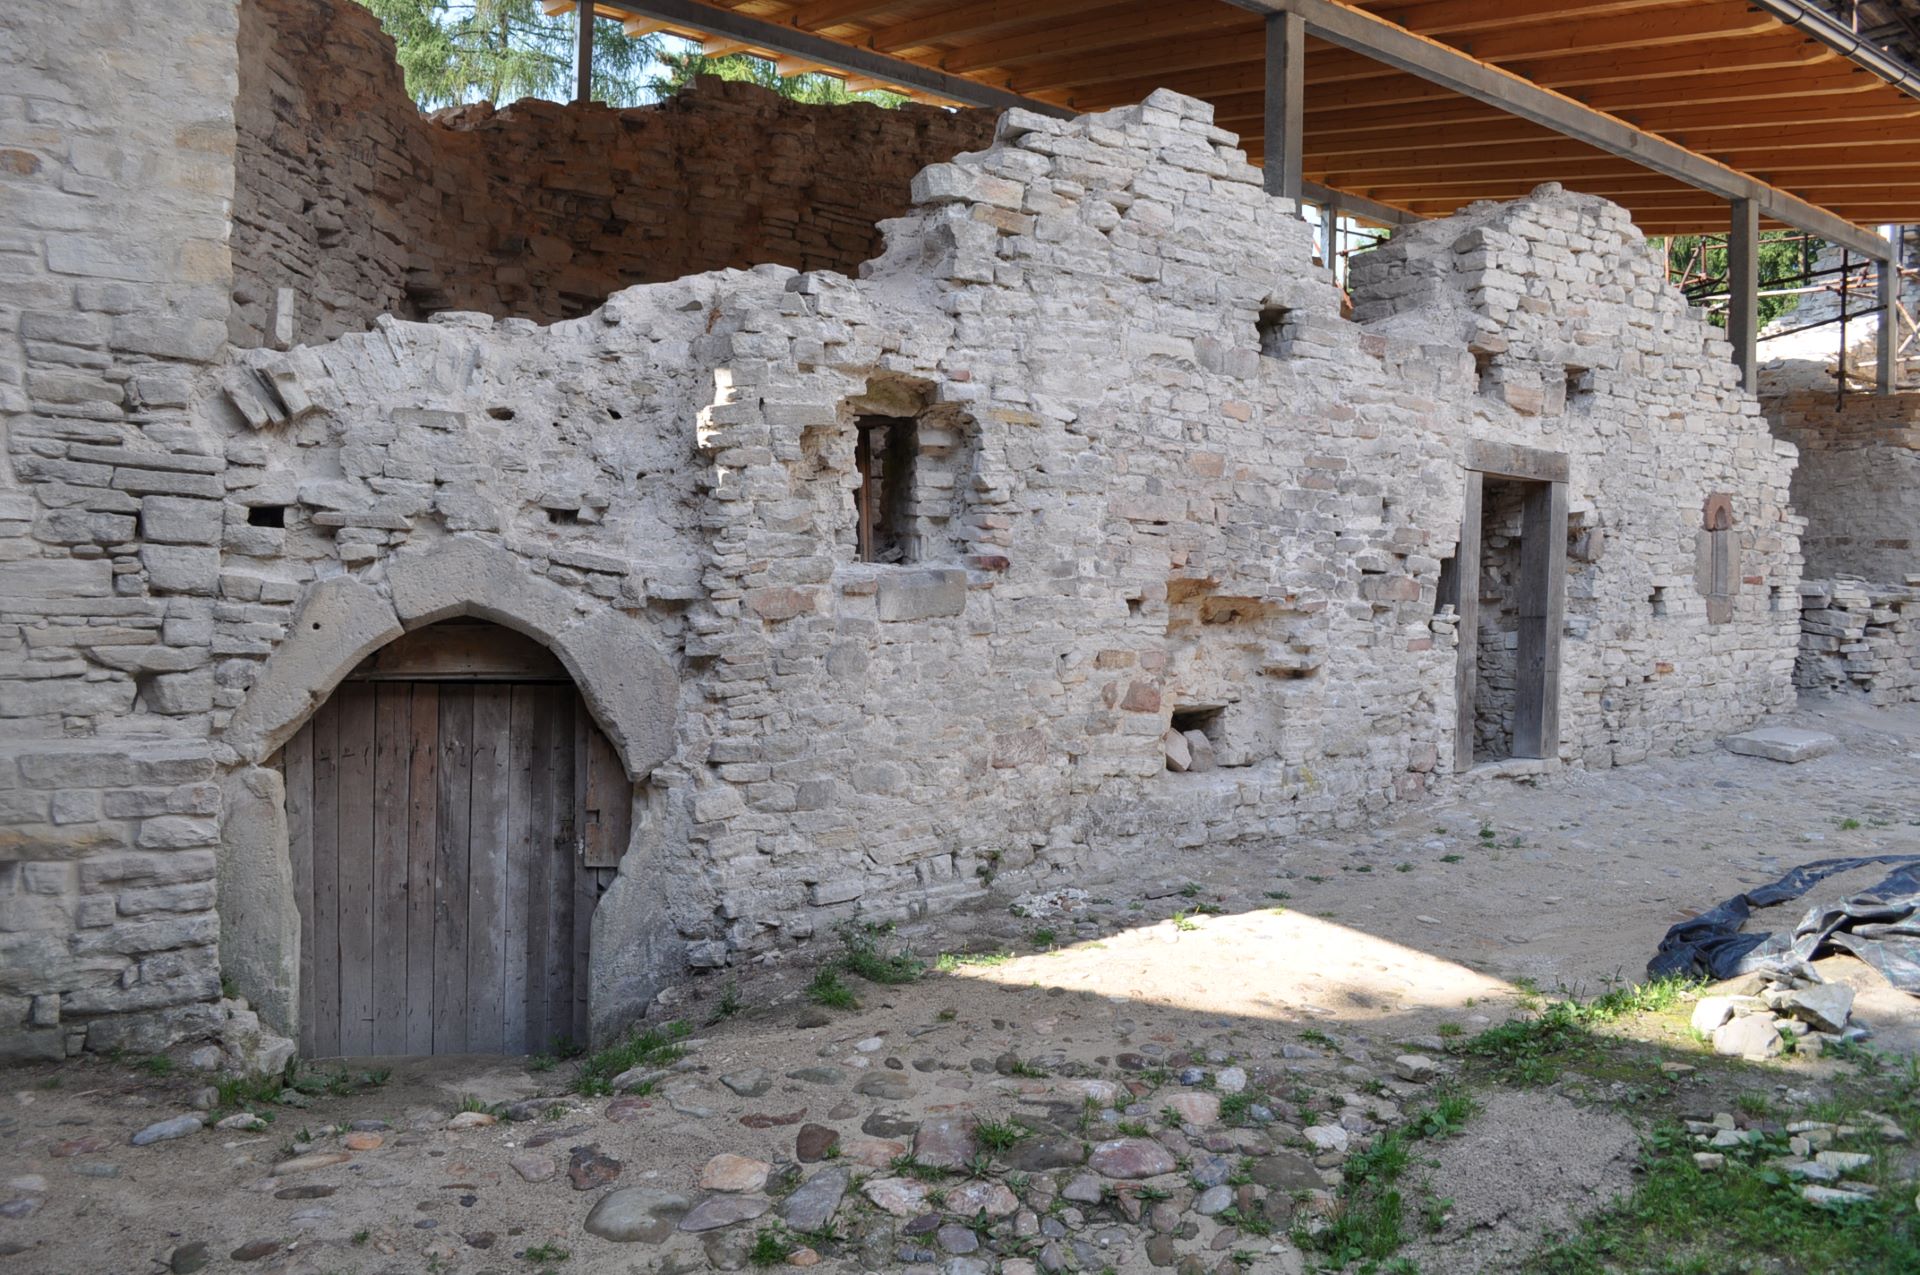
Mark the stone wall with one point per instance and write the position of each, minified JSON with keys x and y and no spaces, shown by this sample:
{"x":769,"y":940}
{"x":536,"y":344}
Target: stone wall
{"x":116,"y":170}
{"x":1159,"y":475}
{"x":1858,"y":482}
{"x":351,"y":204}
{"x":1860,"y":638}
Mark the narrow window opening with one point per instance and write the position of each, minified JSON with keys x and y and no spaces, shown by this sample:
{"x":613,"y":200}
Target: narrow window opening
{"x":884,"y":452}
{"x":1483,"y":371}
{"x":1135,"y":608}
{"x":500,"y":413}
{"x":267,"y":516}
{"x":1579,"y":388}
{"x":1658,"y":599}
{"x":1722,"y":565}
{"x":1776,"y":596}
{"x":1446,"y":596}
{"x":563,"y":517}
{"x":1276,"y":331}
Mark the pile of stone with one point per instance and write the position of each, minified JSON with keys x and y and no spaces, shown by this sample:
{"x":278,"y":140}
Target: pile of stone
{"x":1859,"y":636}
{"x":1755,"y":1015}
{"x":1812,"y":1157}
{"x":1187,"y":750}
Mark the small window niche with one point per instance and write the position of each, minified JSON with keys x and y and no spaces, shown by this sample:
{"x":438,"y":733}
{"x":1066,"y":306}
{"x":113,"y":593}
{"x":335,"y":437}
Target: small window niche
{"x":1579,"y":389}
{"x":1485,"y":374}
{"x":1276,"y":331}
{"x":1718,"y":571}
{"x":885,"y":451}
{"x":267,"y":516}
{"x":1191,"y":740}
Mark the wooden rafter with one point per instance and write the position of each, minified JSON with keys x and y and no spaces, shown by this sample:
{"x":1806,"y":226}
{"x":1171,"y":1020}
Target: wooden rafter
{"x":1726,"y":81}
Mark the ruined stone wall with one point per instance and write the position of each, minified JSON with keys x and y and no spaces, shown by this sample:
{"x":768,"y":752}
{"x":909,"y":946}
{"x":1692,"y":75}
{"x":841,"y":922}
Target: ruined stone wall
{"x":356,"y":204}
{"x":1860,"y":638}
{"x":1858,"y":482}
{"x":116,"y":168}
{"x":1159,"y":475}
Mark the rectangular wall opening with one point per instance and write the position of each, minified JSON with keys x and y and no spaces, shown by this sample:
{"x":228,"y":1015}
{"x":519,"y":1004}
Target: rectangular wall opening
{"x":884,"y":452}
{"x":1511,"y":585}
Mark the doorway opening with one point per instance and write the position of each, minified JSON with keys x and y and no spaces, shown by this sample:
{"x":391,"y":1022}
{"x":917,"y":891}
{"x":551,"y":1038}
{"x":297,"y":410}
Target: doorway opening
{"x":1509,"y":580}
{"x":454,"y":814}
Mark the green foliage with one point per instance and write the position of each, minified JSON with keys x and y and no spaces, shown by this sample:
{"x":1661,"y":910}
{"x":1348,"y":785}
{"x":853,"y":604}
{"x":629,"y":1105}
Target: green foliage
{"x":1367,"y":1225}
{"x":650,"y":1048}
{"x":679,"y":69}
{"x":910,"y":1166}
{"x":729,"y":1003}
{"x":157,"y":1065}
{"x":951,"y":961}
{"x":455,"y":51}
{"x":1683,"y":1221}
{"x":1779,"y":261}
{"x":828,"y":989}
{"x":1235,"y":1106}
{"x":770,"y":1248}
{"x":865,"y":957}
{"x":998,"y":1135}
{"x":546,"y":1253}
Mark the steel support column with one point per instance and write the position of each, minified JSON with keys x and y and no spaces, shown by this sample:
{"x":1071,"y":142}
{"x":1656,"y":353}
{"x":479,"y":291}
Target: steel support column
{"x":1286,"y":109}
{"x":1887,"y":346}
{"x":583,"y":53}
{"x":1743,"y":290}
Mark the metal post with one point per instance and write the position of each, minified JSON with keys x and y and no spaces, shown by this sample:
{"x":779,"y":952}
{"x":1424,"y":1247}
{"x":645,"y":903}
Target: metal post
{"x":583,"y":51}
{"x":1743,"y":289}
{"x":1286,"y":103}
{"x":1887,"y":346}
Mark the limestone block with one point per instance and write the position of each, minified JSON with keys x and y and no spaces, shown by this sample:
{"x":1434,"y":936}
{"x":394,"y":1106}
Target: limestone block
{"x":340,"y":623}
{"x":180,"y":569}
{"x":1783,"y":743}
{"x":180,"y":521}
{"x":260,"y":924}
{"x":921,"y":594}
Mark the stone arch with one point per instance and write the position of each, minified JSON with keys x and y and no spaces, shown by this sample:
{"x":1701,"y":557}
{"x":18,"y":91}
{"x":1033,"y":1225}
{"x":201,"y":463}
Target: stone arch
{"x":629,"y":687}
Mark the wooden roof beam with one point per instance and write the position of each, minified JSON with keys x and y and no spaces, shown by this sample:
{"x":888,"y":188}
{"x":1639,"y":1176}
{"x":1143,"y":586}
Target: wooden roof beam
{"x":827,"y":53}
{"x":1364,"y":33}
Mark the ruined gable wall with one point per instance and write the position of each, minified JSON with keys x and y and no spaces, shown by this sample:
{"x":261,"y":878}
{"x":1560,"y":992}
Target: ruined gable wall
{"x":361,"y":206}
{"x":1580,"y":345}
{"x":116,"y":167}
{"x":1143,"y":513}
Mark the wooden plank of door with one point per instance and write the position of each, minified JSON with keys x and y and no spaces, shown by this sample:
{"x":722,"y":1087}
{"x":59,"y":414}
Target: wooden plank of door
{"x":584,"y":893}
{"x":324,"y":991}
{"x":450,"y":871}
{"x":565,"y":854}
{"x":423,"y":813}
{"x":1543,"y":591}
{"x":519,"y":855}
{"x":356,"y":789}
{"x":543,"y":828}
{"x":487,"y":868}
{"x":1467,"y":585}
{"x":296,"y":762}
{"x":610,"y":807}
{"x":392,"y":775}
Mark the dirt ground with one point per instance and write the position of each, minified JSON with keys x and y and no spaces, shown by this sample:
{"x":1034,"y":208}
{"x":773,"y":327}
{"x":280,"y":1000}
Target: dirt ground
{"x":1310,"y":967}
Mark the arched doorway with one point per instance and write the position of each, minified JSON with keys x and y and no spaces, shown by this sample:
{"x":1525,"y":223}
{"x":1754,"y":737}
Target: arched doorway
{"x":453,"y":816}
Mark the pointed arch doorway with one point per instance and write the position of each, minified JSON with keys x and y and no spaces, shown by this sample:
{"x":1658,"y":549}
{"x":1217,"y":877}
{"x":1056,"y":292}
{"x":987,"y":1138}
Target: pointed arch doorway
{"x":454,"y":814}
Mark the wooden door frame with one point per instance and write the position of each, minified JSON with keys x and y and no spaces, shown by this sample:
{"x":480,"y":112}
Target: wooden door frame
{"x":1543,"y":569}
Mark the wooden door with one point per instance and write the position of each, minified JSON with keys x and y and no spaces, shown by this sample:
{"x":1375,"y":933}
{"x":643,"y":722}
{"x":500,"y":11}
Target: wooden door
{"x":450,"y":839}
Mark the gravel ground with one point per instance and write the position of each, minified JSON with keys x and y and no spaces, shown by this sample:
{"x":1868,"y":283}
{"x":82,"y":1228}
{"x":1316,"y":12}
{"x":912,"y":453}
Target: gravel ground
{"x":1300,"y":972}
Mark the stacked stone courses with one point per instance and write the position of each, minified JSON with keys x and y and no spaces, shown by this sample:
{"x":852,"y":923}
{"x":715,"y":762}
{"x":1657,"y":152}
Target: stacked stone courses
{"x":351,"y":204}
{"x":1159,"y":474}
